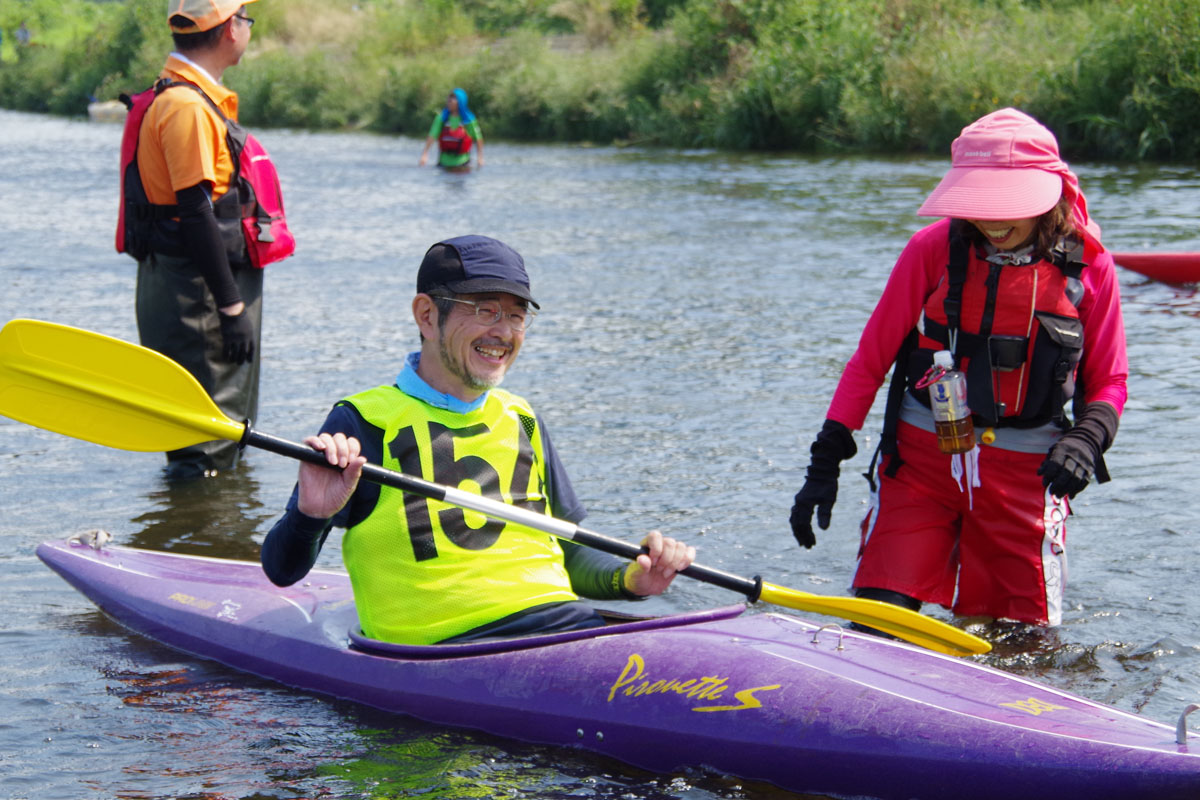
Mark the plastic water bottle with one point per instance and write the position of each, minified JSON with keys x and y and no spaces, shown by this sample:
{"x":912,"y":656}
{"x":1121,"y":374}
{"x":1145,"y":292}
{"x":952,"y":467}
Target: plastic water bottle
{"x":951,"y":415}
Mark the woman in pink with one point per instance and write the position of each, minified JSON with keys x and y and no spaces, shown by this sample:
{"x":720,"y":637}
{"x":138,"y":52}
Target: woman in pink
{"x":1015,"y":283}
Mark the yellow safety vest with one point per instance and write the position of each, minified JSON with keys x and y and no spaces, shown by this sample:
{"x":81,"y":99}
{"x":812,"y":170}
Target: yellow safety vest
{"x":424,"y":570}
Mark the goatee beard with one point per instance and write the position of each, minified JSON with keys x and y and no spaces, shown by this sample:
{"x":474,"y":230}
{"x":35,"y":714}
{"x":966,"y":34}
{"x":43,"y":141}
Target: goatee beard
{"x":460,"y":371}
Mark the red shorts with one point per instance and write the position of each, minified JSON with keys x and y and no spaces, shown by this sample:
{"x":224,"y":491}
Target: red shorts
{"x":999,"y":552}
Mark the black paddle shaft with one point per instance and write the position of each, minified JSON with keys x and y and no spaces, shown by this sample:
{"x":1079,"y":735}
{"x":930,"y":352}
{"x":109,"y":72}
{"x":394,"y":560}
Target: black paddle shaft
{"x":751,"y":587}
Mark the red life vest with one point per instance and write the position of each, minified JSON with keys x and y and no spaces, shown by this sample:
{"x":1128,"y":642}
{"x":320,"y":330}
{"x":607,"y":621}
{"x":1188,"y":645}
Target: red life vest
{"x":250,"y":215}
{"x":1016,"y":330}
{"x":455,"y":140}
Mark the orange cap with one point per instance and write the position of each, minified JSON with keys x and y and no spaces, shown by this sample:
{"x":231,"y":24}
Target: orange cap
{"x":207,"y":14}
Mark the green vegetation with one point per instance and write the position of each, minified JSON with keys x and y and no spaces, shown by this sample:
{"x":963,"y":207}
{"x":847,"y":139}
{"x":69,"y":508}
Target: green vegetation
{"x":1115,"y":79}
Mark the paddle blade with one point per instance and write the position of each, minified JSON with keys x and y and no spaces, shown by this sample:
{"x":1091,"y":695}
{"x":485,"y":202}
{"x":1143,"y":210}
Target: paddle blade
{"x":895,"y":620}
{"x":103,"y":390}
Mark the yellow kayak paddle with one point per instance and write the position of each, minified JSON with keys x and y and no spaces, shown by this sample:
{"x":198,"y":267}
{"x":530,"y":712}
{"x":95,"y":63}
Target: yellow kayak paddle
{"x":108,"y":391}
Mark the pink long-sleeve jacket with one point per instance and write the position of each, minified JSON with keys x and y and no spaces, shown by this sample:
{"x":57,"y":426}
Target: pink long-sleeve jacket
{"x":917,"y":273}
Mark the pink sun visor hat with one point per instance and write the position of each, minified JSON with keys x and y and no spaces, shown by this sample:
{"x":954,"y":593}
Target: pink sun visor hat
{"x":1004,"y":166}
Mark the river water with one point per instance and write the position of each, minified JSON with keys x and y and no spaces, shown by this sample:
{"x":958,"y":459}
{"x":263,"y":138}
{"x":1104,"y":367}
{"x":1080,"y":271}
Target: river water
{"x":697,"y":309}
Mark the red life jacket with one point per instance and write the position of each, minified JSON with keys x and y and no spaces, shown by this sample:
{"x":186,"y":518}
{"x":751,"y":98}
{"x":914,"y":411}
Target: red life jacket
{"x":250,"y":216}
{"x":1016,"y":330}
{"x":455,"y":140}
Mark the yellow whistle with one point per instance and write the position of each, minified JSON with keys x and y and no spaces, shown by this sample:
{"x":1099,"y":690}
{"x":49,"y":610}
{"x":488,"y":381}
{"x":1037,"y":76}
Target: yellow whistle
{"x":988,"y":436}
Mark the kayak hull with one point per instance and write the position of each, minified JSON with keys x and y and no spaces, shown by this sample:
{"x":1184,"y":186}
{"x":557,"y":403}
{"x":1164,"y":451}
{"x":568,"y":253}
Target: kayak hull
{"x":766,"y":696}
{"x":1165,"y":267}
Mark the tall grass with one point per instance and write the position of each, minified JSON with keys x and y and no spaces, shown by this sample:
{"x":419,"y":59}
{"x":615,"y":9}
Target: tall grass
{"x":77,"y":49}
{"x":1115,"y":79}
{"x":1133,"y":89}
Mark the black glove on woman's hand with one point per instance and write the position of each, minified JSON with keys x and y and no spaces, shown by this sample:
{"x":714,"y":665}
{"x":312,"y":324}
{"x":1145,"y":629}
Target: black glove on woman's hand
{"x":237,"y":335}
{"x":833,"y":445}
{"x":1070,"y":464}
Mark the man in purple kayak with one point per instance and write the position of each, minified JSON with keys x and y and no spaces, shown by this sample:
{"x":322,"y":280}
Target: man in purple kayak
{"x":424,"y":571}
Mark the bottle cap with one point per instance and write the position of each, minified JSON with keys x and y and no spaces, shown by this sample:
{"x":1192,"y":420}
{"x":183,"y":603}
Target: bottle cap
{"x":944,"y":358}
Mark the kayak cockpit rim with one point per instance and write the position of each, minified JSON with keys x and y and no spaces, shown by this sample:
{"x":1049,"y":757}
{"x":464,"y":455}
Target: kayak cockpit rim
{"x":618,"y":624}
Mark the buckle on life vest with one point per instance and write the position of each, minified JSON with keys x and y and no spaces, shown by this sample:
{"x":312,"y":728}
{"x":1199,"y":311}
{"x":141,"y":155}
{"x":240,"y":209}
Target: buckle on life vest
{"x":1007,"y":353}
{"x":264,"y":230}
{"x":1062,"y":370}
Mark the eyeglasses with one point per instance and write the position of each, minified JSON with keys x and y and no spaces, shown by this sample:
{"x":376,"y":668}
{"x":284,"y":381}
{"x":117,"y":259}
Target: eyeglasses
{"x":489,"y":312}
{"x":249,"y":20}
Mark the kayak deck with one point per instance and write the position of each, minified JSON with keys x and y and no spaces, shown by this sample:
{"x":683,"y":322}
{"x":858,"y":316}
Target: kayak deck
{"x":763,"y":696}
{"x":1177,"y":268}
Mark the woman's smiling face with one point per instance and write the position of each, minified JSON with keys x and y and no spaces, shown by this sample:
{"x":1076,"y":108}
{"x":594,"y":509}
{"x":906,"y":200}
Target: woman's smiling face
{"x":1007,"y":234}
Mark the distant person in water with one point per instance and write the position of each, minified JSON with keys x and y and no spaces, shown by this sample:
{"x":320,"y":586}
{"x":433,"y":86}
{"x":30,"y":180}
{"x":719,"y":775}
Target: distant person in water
{"x":454,"y":129}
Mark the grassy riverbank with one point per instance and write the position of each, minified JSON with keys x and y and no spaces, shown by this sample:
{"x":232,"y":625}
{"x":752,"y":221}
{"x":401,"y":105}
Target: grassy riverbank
{"x":1116,"y":79}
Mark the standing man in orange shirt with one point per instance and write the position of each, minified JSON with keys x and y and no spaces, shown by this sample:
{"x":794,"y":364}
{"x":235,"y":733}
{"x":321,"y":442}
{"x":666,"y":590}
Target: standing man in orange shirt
{"x":199,"y":299}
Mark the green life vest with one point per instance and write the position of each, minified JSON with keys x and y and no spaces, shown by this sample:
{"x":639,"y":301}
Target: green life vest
{"x":424,"y":570}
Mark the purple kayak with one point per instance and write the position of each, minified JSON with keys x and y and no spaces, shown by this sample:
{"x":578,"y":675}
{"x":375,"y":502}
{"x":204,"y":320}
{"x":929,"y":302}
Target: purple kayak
{"x":762,"y":696}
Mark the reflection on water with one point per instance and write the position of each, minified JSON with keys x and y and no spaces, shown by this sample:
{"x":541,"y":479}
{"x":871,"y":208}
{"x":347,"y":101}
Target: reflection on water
{"x":1172,"y":300}
{"x":450,"y":765}
{"x":698,"y":308}
{"x":193,"y":720}
{"x":214,"y":517}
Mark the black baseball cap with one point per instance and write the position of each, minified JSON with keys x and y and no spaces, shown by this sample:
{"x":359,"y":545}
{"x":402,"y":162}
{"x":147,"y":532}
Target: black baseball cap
{"x":468,"y":264}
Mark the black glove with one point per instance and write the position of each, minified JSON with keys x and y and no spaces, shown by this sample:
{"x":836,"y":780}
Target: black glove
{"x":237,"y":334}
{"x":1071,"y":463}
{"x":833,"y":445}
